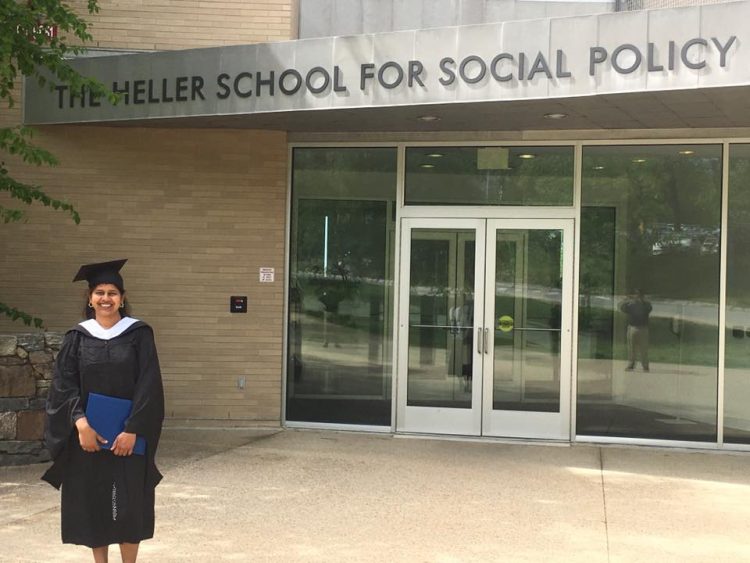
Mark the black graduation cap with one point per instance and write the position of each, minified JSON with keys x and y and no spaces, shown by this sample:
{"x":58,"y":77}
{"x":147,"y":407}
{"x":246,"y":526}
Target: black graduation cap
{"x":102,"y":272}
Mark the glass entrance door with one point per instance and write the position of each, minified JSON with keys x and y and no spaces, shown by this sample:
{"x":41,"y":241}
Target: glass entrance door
{"x":484,"y":323}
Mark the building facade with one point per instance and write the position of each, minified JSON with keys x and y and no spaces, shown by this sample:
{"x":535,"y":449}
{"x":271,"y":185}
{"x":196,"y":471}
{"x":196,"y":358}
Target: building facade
{"x":453,"y":221}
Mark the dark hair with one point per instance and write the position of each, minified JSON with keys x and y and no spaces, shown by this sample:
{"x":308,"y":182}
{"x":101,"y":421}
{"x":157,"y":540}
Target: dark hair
{"x":88,"y":312}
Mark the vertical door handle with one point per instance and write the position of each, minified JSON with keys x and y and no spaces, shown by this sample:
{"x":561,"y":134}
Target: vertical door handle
{"x":479,"y":341}
{"x":486,"y":348}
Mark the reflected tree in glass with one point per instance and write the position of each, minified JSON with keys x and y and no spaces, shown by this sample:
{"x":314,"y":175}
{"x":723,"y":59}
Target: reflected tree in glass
{"x":737,"y":354}
{"x":341,"y":280}
{"x":650,"y":221}
{"x":489,"y":176}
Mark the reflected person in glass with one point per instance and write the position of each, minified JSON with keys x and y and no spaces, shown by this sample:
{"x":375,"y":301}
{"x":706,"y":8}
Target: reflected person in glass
{"x":462,"y":345}
{"x":637,"y":309}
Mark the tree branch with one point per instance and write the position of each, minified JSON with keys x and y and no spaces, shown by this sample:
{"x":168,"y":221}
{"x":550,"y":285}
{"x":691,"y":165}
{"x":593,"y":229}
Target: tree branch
{"x":28,"y":48}
{"x":17,"y":315}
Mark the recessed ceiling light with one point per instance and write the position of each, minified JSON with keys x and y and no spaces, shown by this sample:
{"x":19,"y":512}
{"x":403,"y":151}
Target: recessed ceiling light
{"x":555,"y":115}
{"x":436,"y":155}
{"x":639,"y":160}
{"x":428,"y":118}
{"x":526,"y":156}
{"x":598,"y":167}
{"x":427,"y":166}
{"x":687,"y":152}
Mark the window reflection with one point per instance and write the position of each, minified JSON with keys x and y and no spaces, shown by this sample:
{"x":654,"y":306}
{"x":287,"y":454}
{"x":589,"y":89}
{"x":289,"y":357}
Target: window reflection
{"x":737,"y":355}
{"x":649,"y":292}
{"x":341,"y":281}
{"x":441,"y":318}
{"x":489,"y":176}
{"x":528,"y":280}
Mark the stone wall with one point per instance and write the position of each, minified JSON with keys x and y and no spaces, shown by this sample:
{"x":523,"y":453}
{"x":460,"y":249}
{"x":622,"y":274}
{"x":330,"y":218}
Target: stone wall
{"x":26,"y":365}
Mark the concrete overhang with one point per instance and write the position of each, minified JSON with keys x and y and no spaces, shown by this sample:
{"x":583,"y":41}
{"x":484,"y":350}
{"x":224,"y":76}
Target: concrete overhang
{"x":694,"y":109}
{"x":661,"y":69}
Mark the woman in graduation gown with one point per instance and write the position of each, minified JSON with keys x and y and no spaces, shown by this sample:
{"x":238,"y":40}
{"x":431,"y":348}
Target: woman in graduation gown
{"x":107,"y":490}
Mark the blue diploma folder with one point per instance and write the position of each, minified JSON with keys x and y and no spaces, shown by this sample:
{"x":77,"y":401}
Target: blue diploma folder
{"x":107,"y":415}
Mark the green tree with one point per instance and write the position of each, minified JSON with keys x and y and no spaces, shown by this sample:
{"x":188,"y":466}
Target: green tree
{"x":37,"y":39}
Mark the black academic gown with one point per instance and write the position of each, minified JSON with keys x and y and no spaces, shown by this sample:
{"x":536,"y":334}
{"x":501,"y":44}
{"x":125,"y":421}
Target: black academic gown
{"x":106,"y":499}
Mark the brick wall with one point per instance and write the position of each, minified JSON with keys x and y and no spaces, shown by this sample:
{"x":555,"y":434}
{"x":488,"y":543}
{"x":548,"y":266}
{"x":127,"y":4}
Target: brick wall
{"x":182,"y":24}
{"x":10,"y":117}
{"x":197,"y":212}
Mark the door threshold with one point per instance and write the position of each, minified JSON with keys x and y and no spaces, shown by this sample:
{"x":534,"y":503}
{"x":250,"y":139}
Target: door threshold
{"x":485,"y":439}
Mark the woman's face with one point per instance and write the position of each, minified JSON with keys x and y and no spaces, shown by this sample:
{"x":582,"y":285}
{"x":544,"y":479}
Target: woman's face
{"x":106,"y":300}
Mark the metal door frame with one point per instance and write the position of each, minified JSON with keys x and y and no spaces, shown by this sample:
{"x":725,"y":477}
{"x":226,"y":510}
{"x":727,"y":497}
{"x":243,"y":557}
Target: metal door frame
{"x":480,"y":419}
{"x":528,"y":424}
{"x":436,"y":420}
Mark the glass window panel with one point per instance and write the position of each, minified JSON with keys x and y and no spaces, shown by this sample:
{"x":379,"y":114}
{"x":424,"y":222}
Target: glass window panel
{"x":489,"y":176}
{"x":527,"y":320}
{"x":649,"y":292}
{"x":737,"y":351}
{"x":341,"y":285}
{"x":441,"y":318}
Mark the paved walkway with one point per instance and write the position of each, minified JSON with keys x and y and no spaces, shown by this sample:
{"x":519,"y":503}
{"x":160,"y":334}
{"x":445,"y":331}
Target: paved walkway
{"x":239,"y":495}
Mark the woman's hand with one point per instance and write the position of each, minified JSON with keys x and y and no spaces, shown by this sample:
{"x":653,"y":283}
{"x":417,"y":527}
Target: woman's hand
{"x":124,"y":444}
{"x":88,"y":437}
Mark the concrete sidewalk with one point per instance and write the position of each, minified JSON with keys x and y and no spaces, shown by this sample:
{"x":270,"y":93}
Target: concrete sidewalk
{"x":324,"y":496}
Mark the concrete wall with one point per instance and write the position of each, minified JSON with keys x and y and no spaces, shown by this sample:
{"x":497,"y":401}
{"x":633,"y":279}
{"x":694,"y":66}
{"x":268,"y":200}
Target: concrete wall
{"x":197,"y":213}
{"x":324,"y":18}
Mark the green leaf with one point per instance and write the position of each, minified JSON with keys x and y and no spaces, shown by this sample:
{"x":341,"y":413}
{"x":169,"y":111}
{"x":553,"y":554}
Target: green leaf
{"x":10,"y":215}
{"x":28,"y":194}
{"x":15,"y":315}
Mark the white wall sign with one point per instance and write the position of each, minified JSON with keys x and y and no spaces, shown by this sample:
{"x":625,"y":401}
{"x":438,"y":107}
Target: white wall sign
{"x":267,"y":275}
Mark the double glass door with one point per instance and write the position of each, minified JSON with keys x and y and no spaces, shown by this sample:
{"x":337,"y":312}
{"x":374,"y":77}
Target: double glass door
{"x":485,"y":327}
